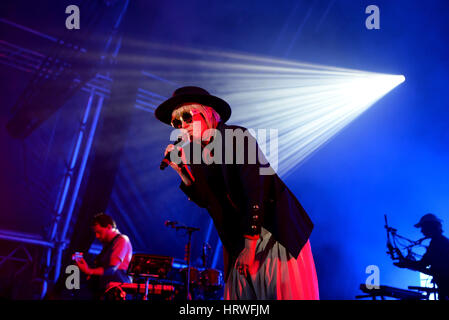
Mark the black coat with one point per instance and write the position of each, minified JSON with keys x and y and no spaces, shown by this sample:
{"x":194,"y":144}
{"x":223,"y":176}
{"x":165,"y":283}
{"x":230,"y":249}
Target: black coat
{"x":240,"y":200}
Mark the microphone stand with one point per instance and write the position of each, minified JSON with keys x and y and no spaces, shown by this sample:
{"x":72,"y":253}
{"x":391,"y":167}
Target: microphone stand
{"x":190,"y":231}
{"x":392,"y":250}
{"x":188,"y":255}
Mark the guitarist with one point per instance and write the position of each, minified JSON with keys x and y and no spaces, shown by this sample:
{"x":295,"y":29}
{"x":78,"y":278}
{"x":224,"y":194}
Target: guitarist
{"x":435,"y":261}
{"x":112,"y":263}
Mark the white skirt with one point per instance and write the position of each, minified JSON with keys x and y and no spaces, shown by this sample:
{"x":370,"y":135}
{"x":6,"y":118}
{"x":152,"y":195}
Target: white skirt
{"x":279,"y":275}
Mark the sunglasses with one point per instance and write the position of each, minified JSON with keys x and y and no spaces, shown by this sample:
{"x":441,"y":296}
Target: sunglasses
{"x":186,"y":117}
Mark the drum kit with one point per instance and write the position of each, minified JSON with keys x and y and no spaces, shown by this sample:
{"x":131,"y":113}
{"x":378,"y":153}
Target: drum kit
{"x":157,"y":277}
{"x":205,"y":284}
{"x":207,"y":278}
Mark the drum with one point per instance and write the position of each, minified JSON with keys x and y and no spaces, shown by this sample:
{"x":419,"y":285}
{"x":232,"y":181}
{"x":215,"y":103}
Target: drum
{"x":211,"y":278}
{"x":194,"y":274}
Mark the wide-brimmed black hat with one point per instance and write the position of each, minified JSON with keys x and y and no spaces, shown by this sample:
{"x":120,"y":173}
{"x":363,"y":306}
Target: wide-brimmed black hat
{"x":194,"y":95}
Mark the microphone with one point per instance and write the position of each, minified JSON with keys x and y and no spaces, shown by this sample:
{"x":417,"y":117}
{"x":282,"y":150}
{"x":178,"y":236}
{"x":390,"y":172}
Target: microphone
{"x":171,"y":224}
{"x":166,"y":161}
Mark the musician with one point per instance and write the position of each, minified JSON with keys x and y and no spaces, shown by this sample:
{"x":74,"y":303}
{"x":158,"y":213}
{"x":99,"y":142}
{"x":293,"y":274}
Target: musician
{"x":263,"y":227}
{"x":111,"y":264}
{"x":436,"y":259}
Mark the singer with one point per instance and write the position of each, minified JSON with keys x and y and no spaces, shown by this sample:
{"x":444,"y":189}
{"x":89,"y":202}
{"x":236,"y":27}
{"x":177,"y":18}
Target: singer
{"x":264,"y":229}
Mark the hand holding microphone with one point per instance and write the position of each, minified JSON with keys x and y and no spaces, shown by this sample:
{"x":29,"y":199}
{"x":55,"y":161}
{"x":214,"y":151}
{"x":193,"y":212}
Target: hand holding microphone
{"x":181,"y":168}
{"x":168,"y":152}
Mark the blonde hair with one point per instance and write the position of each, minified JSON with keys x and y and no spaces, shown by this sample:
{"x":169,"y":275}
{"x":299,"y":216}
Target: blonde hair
{"x":211,"y":116}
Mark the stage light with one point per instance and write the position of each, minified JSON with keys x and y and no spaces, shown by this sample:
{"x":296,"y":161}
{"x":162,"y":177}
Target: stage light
{"x":306,"y":104}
